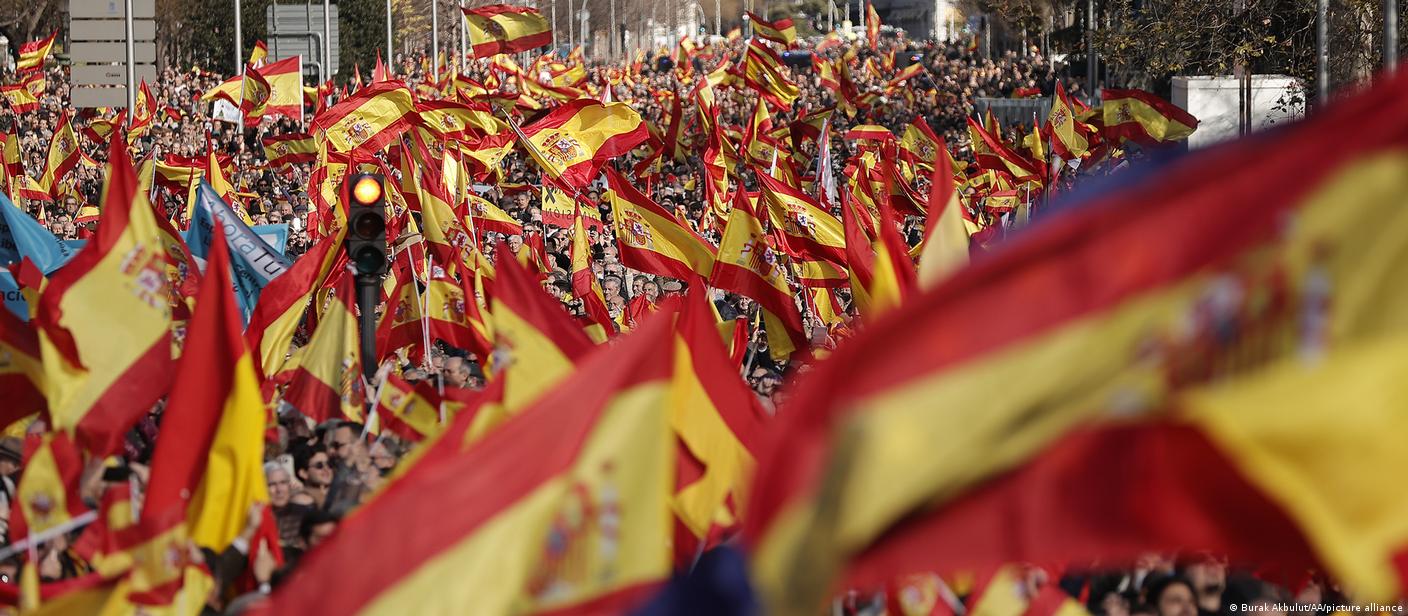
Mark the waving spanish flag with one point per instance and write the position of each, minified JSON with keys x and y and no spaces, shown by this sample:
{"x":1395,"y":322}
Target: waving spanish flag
{"x":33,"y":53}
{"x":1139,"y":116}
{"x":809,"y":231}
{"x":289,"y":149}
{"x":413,"y":411}
{"x":501,"y":28}
{"x":585,"y":285}
{"x":762,"y":71}
{"x":282,"y":303}
{"x":537,"y":344}
{"x":748,"y":265}
{"x":369,"y":120}
{"x":325,"y":376}
{"x":872,"y":26}
{"x":19,"y":346}
{"x":254,"y":95}
{"x":19,"y":98}
{"x":780,"y":31}
{"x":211,"y":475}
{"x":718,"y":421}
{"x":105,"y":318}
{"x":1232,"y":386}
{"x":946,"y":236}
{"x":62,"y":157}
{"x":1068,"y":137}
{"x":573,"y":141}
{"x":651,"y":239}
{"x":284,"y":80}
{"x":562,"y":509}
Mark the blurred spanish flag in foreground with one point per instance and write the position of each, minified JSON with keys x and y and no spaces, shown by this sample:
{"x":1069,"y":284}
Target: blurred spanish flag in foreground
{"x":1230,"y":384}
{"x":564,"y":506}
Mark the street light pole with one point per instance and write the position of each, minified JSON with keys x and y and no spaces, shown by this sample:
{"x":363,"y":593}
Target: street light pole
{"x":389,"y":61}
{"x":612,"y":41}
{"x":327,"y":37}
{"x":435,"y":38}
{"x":131,"y":55}
{"x":1322,"y":52}
{"x":1390,"y":35}
{"x":464,"y":40}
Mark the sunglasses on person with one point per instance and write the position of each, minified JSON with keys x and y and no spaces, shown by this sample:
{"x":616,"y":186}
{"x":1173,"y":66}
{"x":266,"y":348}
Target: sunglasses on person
{"x":318,"y":465}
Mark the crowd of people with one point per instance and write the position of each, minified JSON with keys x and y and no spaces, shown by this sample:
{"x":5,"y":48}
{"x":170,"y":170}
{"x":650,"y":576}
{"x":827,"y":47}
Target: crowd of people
{"x":319,"y":472}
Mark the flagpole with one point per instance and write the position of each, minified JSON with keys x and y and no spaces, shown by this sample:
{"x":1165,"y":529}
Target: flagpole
{"x":435,"y":37}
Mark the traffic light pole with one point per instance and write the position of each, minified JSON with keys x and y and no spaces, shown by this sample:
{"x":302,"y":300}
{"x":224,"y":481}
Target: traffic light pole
{"x":368,"y":292}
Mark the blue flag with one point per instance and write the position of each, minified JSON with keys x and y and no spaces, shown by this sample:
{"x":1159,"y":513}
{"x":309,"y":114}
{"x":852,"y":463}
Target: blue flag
{"x":276,"y":236}
{"x":253,"y":262}
{"x":14,"y":300}
{"x":22,"y":236}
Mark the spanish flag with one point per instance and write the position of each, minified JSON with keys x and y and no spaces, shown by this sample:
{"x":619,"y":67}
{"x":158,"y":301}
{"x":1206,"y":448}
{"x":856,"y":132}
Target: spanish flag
{"x":485,"y":216}
{"x":748,"y":265}
{"x":946,"y":236}
{"x":892,"y":272}
{"x":584,"y":283}
{"x":562,"y":509}
{"x":47,"y":495}
{"x":325,"y":376}
{"x":212,"y":473}
{"x":290,"y":149}
{"x":1141,"y":117}
{"x":573,"y":141}
{"x":20,"y":99}
{"x":229,"y":90}
{"x":561,"y":209}
{"x":536,"y":343}
{"x":809,"y":231}
{"x":442,"y":311}
{"x":1068,"y":137}
{"x":762,"y":71}
{"x":284,"y":80}
{"x":412,"y":412}
{"x":780,"y":31}
{"x":717,"y":420}
{"x":872,"y":26}
{"x":368,"y":121}
{"x":258,"y":54}
{"x":62,"y":157}
{"x":459,"y":121}
{"x":105,"y":318}
{"x":1233,"y":385}
{"x":501,"y":28}
{"x":33,"y":53}
{"x":282,"y":303}
{"x":254,"y":95}
{"x":651,"y":239}
{"x":19,"y":368}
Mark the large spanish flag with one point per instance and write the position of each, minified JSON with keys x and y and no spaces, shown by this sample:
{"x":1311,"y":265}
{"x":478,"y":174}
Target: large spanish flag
{"x":1139,"y":116}
{"x":211,"y":472}
{"x":105,"y":318}
{"x":325,"y":379}
{"x":780,"y":31}
{"x":562,"y":509}
{"x":370,"y":120}
{"x":748,"y":265}
{"x":651,"y":239}
{"x":33,"y":53}
{"x":1211,"y":382}
{"x":501,"y":28}
{"x":574,"y":140}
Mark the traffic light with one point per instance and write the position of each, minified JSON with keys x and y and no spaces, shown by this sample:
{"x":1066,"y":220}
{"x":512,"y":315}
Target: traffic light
{"x":366,"y":223}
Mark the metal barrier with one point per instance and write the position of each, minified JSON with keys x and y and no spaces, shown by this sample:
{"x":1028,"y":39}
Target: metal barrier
{"x":1013,"y":111}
